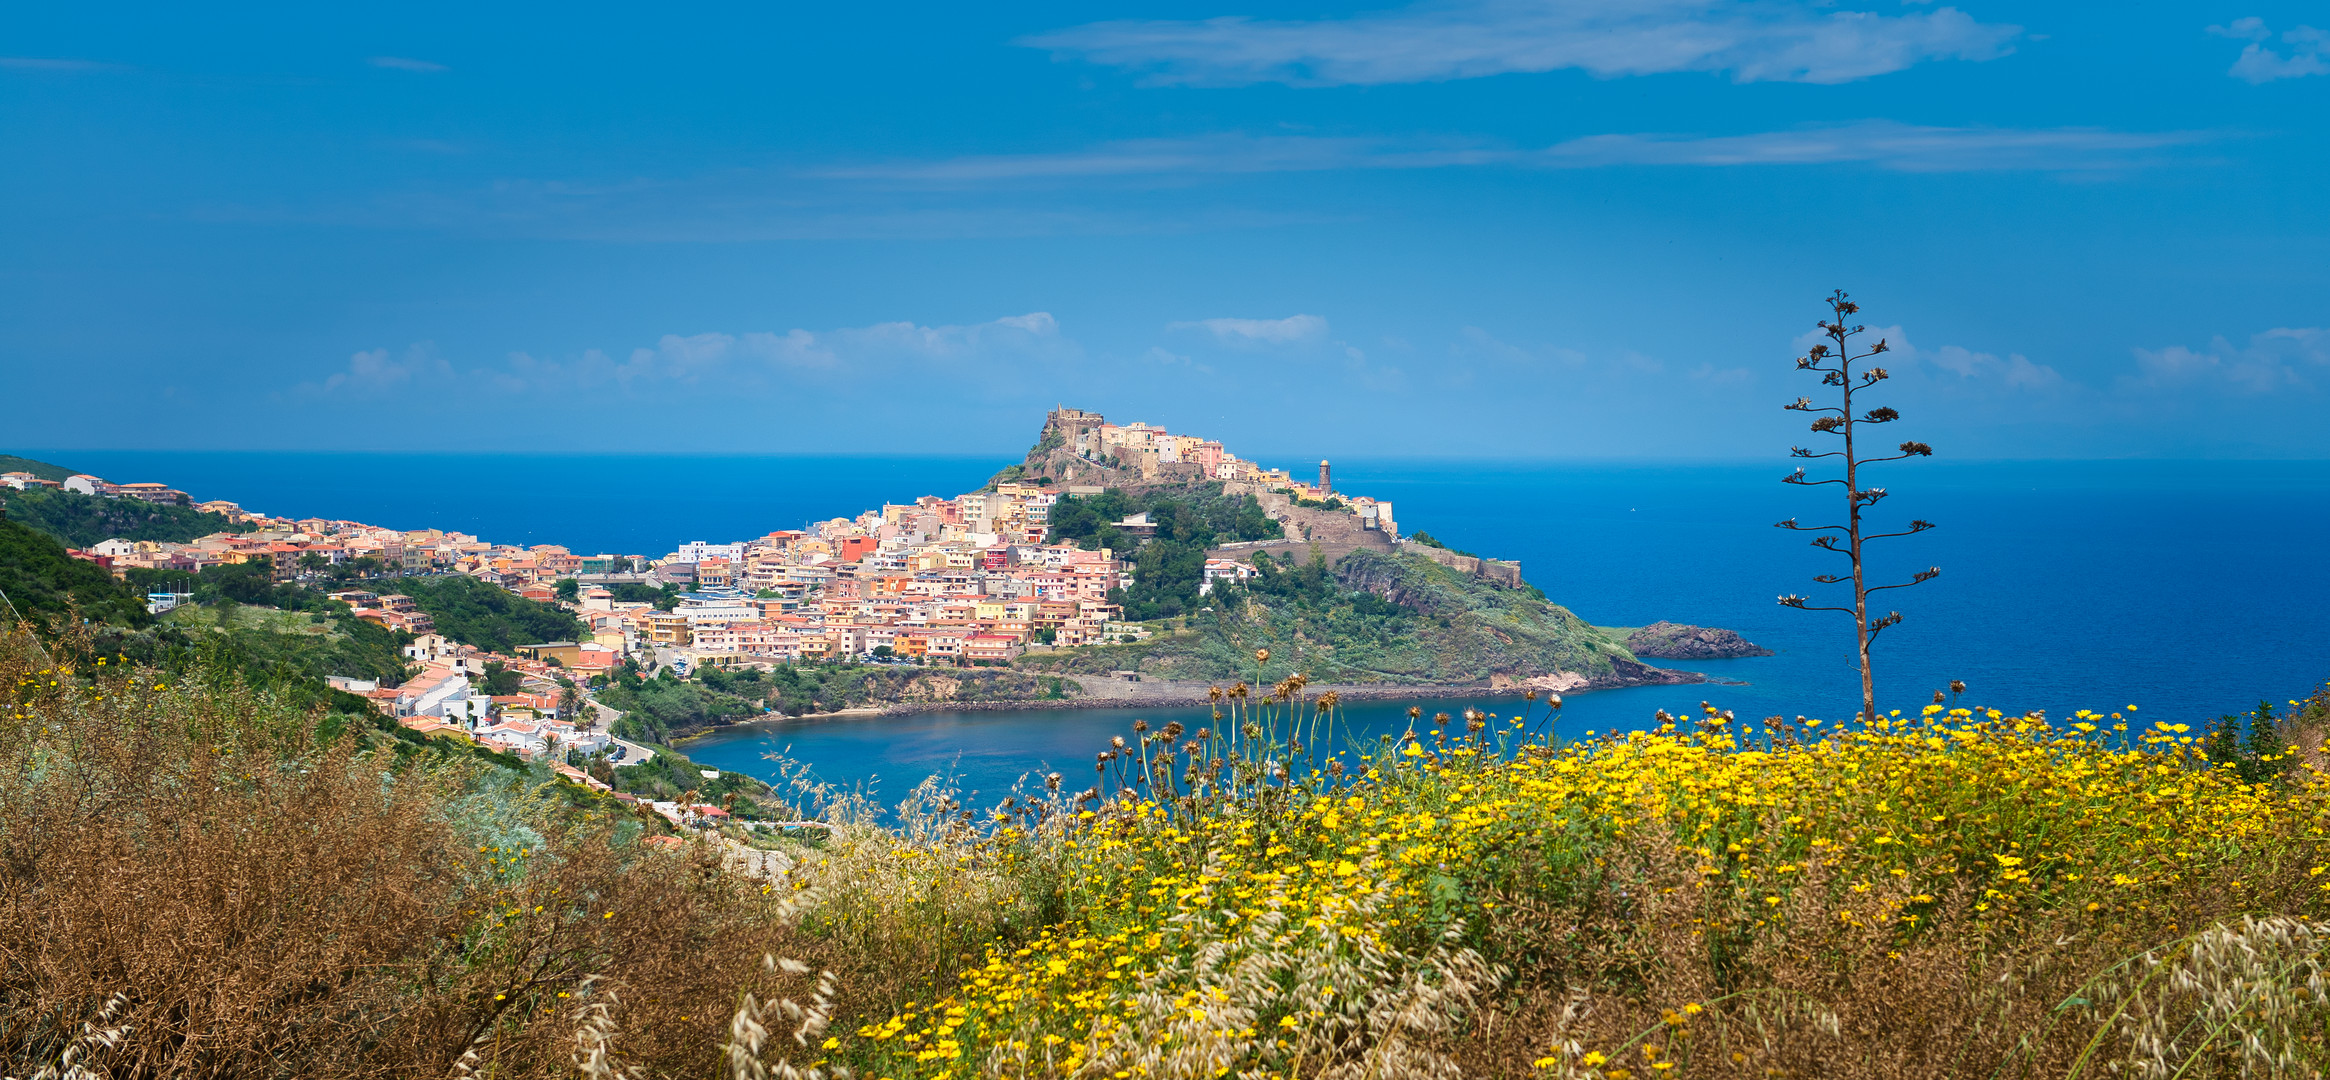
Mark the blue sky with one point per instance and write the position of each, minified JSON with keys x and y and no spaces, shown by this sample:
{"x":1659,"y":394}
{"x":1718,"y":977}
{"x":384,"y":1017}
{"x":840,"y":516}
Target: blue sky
{"x":1461,"y":228}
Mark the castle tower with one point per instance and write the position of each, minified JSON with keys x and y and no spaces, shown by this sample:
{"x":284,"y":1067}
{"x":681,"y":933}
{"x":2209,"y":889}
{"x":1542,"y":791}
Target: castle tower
{"x":1326,"y":484}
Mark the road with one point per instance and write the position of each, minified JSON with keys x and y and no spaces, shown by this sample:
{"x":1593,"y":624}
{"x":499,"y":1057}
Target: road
{"x":633,"y":753}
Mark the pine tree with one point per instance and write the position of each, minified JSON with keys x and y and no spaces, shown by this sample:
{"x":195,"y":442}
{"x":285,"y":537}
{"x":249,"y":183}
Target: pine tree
{"x":2266,"y":755}
{"x":2224,"y":742}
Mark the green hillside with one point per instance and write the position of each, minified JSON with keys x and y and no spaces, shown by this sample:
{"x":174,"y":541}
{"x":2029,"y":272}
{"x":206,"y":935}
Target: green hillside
{"x":42,"y":469}
{"x":81,"y":520}
{"x":1169,"y":566}
{"x":323,"y":639}
{"x":488,"y":616}
{"x":1396,"y":619}
{"x":42,"y":581}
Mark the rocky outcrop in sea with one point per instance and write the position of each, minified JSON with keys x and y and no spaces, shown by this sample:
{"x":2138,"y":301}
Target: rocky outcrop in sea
{"x":1664,"y":640}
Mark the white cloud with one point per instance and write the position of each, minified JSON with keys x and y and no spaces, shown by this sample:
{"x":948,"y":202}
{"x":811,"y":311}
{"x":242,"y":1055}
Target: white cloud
{"x":2259,"y":63}
{"x":2278,"y":359}
{"x":404,"y":63}
{"x":373,"y":371}
{"x":1951,"y":364}
{"x":2016,"y":371}
{"x":1879,"y":143}
{"x":2250,"y":28}
{"x":1292,"y":330}
{"x":1752,"y":40}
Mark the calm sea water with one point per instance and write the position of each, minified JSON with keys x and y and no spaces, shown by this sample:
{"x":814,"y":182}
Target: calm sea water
{"x":2190,"y":589}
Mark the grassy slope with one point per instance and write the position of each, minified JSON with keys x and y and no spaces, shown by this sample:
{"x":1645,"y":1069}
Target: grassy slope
{"x":1453,"y":629}
{"x":314,"y":644}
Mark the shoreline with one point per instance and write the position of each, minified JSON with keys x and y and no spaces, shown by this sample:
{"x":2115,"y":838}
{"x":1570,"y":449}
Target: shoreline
{"x":1178,"y":695}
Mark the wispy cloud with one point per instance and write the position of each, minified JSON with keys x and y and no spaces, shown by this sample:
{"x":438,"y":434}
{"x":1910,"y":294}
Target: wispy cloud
{"x":405,"y":63}
{"x":1292,"y":330}
{"x":1956,"y":364}
{"x":1879,"y":143}
{"x":1228,"y":152}
{"x":1751,"y":40}
{"x":2280,"y":359}
{"x":736,"y":362}
{"x":374,"y":371}
{"x":1883,"y":144}
{"x":49,"y":63}
{"x":2260,"y":63}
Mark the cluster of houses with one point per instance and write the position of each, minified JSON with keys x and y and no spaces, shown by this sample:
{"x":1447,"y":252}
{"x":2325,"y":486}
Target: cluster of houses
{"x":86,"y":484}
{"x":442,"y":696}
{"x":968,"y":580}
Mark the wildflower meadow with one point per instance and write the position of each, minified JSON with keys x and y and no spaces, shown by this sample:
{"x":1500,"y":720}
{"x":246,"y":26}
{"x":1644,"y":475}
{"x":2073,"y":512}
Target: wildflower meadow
{"x":205,"y":882}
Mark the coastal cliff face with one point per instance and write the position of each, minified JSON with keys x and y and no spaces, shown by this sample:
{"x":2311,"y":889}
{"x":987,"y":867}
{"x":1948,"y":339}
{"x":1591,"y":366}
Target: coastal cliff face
{"x":1379,"y":618}
{"x":1674,"y":641}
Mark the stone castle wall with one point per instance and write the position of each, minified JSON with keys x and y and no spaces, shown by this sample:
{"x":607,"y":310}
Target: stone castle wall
{"x":1503,"y":572}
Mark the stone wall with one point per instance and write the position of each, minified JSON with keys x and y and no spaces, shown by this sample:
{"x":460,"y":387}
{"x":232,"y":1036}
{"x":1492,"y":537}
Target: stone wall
{"x":1329,"y":528}
{"x":1501,"y":571}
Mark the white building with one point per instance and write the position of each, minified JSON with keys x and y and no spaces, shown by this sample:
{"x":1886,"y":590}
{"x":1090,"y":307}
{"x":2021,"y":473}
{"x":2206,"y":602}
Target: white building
{"x":442,"y":693}
{"x":696,"y":551}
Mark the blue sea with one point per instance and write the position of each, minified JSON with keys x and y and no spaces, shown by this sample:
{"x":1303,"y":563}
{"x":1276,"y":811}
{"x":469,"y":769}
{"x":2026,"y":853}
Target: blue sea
{"x":2189,"y":589}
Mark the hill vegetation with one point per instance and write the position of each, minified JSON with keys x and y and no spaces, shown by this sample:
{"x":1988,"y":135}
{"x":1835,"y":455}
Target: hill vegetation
{"x":665,"y":708}
{"x":56,"y":473}
{"x":82,"y":520}
{"x":1168,"y":567}
{"x":1394,"y":619}
{"x":45,"y":583}
{"x":490,"y":617}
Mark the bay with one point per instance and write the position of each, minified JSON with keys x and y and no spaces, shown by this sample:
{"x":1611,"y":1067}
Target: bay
{"x":2190,"y":589}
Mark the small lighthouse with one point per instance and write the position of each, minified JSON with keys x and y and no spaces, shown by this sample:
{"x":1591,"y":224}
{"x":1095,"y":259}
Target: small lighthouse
{"x":1326,"y":482}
